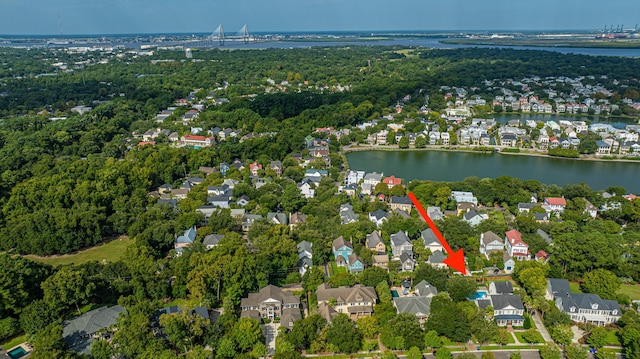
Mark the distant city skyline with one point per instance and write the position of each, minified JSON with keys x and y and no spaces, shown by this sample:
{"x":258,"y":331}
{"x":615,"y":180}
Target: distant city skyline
{"x":43,"y":17}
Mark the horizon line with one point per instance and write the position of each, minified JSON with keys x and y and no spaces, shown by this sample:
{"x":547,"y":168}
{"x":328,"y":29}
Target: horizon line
{"x":266,"y":32}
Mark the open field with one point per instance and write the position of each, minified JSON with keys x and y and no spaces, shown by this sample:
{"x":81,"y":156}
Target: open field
{"x":109,"y":252}
{"x":632,"y":290}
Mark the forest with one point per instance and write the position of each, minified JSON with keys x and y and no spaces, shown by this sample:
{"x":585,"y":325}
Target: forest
{"x":73,"y":183}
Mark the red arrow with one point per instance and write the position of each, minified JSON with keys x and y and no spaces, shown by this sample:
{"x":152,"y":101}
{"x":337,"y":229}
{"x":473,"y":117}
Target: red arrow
{"x":455,"y":259}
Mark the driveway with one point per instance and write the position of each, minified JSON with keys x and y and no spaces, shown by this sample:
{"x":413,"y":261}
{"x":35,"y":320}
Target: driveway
{"x":577,"y":333}
{"x":270,"y":332}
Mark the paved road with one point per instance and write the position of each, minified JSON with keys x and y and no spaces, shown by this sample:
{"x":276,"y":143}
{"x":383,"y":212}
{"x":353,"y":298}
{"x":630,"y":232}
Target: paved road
{"x":541,"y":328}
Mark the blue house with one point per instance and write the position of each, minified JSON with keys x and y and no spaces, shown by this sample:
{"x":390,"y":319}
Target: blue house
{"x":185,"y":240}
{"x":344,"y":255}
{"x":224,"y":167}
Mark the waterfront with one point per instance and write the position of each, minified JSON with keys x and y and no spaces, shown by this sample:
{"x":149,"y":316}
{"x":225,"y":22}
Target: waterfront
{"x":455,"y":166}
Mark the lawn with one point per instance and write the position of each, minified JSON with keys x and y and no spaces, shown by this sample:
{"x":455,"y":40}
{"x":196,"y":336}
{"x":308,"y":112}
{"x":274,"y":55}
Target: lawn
{"x":612,"y":338}
{"x":334,"y":269}
{"x":13,"y":342}
{"x":633,"y":291}
{"x":109,"y":252}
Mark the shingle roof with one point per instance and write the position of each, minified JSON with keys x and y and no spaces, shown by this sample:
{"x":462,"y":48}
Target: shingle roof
{"x":399,"y":238}
{"x":212,"y":239}
{"x":420,"y":306}
{"x":489,"y":236}
{"x":356,"y":294}
{"x":502,"y":301}
{"x":425,"y":289}
{"x":429,"y":238}
{"x":77,"y":332}
{"x":373,"y":239}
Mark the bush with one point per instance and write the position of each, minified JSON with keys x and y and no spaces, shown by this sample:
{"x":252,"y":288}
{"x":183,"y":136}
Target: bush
{"x":8,"y":328}
{"x":562,"y":152}
{"x":527,"y":322}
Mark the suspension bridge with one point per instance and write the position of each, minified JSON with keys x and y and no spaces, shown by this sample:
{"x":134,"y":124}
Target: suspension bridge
{"x":220,"y":38}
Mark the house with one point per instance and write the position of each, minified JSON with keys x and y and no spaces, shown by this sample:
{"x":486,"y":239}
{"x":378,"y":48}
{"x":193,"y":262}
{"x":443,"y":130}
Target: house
{"x":400,"y":243}
{"x":207,"y":210}
{"x":541,"y":217}
{"x":237,"y":213}
{"x":604,"y":148}
{"x":353,"y":177}
{"x":515,"y":246}
{"x":500,"y":288}
{"x":276,"y":166}
{"x":378,"y":217}
{"x":296,"y":218}
{"x":541,"y":256}
{"x":254,"y":168}
{"x":466,"y":197}
{"x":402,"y":203}
{"x":278,"y":218}
{"x":356,"y":301}
{"x":590,"y":209}
{"x":392,"y":181}
{"x":221,"y":201}
{"x":473,"y":217}
{"x":490,"y":243}
{"x":509,"y":263}
{"x":271,"y":302}
{"x":80,"y":332}
{"x":212,"y":240}
{"x":372,"y":179}
{"x":430,"y":241}
{"x":526,"y":206}
{"x":344,"y":255}
{"x":307,"y":188}
{"x":407,"y":263}
{"x":184,"y":240}
{"x":582,"y":307}
{"x":249,"y":219}
{"x":437,"y":259}
{"x":373,"y":241}
{"x":435,"y":213}
{"x":347,"y":215}
{"x":349,"y":190}
{"x":224,"y":168}
{"x":507,"y":309}
{"x":424,"y":289}
{"x":305,"y":256}
{"x":197,"y":141}
{"x":206,"y":170}
{"x":381,"y":261}
{"x":218,"y":190}
{"x":420,"y":306}
{"x":556,"y":204}
{"x":243,"y":200}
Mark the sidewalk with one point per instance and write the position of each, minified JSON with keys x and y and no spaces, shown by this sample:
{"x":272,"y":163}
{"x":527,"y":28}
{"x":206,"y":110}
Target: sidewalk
{"x":541,"y":328}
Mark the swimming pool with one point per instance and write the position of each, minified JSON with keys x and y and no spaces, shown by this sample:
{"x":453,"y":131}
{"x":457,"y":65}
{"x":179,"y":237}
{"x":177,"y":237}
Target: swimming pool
{"x":16,"y":353}
{"x":394,"y":294}
{"x":478,"y":295}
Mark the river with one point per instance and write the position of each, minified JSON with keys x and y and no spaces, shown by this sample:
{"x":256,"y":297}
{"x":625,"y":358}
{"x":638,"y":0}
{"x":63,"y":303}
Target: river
{"x":455,"y":166}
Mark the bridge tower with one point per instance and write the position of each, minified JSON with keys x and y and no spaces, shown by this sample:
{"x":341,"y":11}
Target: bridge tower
{"x":218,"y":34}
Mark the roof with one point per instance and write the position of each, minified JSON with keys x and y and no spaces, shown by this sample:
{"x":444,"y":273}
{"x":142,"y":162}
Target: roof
{"x":304,"y":246}
{"x":356,"y":294}
{"x":269,"y":292}
{"x":326,"y":311}
{"x":378,"y":214}
{"x":559,"y":287}
{"x":399,"y":238}
{"x":188,"y":237}
{"x":393,"y":180}
{"x":489,"y":236}
{"x":373,"y":239}
{"x":277,"y":217}
{"x":380,"y":259}
{"x":212,"y":239}
{"x":545,"y":236}
{"x":401,"y":200}
{"x":503,"y":287}
{"x":435,"y":213}
{"x":419,"y":306}
{"x":473,"y":213}
{"x":425,"y":289}
{"x":341,"y":242}
{"x":514,"y":237}
{"x":437,"y":257}
{"x":501,"y":301}
{"x":374,"y":176}
{"x":556,"y":201}
{"x":77,"y":332}
{"x":429,"y":238}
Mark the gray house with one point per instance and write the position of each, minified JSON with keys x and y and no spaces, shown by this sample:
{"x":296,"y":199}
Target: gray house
{"x":271,"y":302}
{"x":80,"y":332}
{"x":582,"y":307}
{"x":400,"y":243}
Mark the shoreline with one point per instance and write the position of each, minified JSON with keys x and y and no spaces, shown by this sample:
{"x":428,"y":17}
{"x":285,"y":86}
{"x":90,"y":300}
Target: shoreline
{"x":347,"y":149}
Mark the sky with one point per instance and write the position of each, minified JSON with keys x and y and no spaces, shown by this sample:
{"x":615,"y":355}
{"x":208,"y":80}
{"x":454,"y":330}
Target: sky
{"x":41,"y":17}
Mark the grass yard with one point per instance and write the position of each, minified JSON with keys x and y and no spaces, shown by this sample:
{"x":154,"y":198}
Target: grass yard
{"x":633,"y":291}
{"x":13,"y":342}
{"x":334,"y":269}
{"x":612,"y":338}
{"x":109,"y":252}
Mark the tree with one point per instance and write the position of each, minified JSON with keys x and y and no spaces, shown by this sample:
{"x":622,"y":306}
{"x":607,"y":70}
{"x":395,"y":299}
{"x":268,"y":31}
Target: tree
{"x":414,"y":353}
{"x":515,"y":355}
{"x":460,"y":288}
{"x":101,"y":349}
{"x":435,"y":276}
{"x":550,"y":351}
{"x":532,"y":336}
{"x":605,"y":354}
{"x":575,"y":351}
{"x":533,"y":280}
{"x":246,"y":333}
{"x":598,"y":337}
{"x":443,"y":353}
{"x":488,"y":355}
{"x":49,"y":340}
{"x":432,"y":340}
{"x":404,"y":142}
{"x":368,"y":326}
{"x":292,"y":199}
{"x":402,"y":332}
{"x":312,"y":278}
{"x":421,"y":142}
{"x":37,"y":316}
{"x":448,"y":319}
{"x":66,"y":287}
{"x":344,"y":335}
{"x":601,"y":282}
{"x":561,"y":334}
{"x":372,"y":276}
